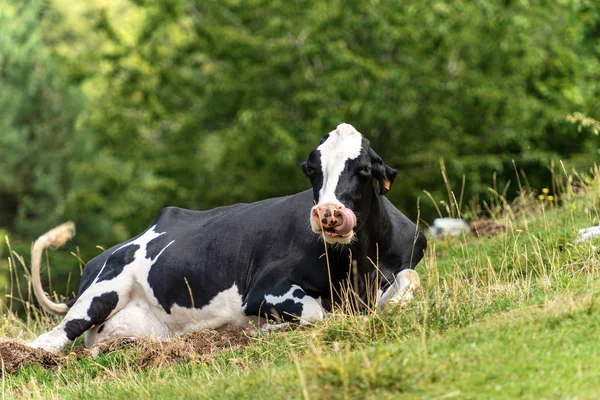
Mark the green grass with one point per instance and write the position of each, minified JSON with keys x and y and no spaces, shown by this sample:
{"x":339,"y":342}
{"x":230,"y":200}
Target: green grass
{"x":511,"y":316}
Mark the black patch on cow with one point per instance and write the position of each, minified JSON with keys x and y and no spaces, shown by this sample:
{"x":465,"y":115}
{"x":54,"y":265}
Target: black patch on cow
{"x":326,"y":304}
{"x":75,"y":327}
{"x":102,"y":306}
{"x":101,"y":329}
{"x":299,"y":294}
{"x":177,"y":278}
{"x":156,"y":245}
{"x":99,"y":310}
{"x":117,"y":261}
{"x":312,"y":169}
{"x":288,"y":311}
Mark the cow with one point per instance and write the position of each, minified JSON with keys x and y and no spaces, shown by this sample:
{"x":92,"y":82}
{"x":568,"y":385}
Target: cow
{"x":282,"y":260}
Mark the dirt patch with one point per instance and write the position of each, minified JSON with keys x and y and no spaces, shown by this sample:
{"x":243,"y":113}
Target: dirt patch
{"x":14,"y":355}
{"x":201,"y":347}
{"x":487,"y":227}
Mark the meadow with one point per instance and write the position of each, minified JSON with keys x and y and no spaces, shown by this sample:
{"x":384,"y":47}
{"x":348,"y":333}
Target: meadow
{"x":511,"y":313}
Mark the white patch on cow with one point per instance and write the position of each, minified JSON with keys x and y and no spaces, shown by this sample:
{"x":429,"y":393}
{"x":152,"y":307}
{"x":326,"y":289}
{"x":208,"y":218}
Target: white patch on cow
{"x":311,"y":308}
{"x":343,"y":144}
{"x":402,"y":290}
{"x":143,"y":239}
{"x":224,"y":310}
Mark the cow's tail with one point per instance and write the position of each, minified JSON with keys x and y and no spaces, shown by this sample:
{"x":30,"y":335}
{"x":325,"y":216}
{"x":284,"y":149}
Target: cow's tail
{"x":55,"y":238}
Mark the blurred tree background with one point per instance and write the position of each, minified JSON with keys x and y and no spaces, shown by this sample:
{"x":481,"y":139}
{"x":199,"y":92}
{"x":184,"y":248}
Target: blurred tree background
{"x":110,"y":111}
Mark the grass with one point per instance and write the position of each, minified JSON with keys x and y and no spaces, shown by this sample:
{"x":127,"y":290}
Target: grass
{"x":509,"y":316}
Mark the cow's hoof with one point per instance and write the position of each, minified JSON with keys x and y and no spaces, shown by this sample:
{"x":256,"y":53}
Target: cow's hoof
{"x":42,"y":346}
{"x":49,"y":343}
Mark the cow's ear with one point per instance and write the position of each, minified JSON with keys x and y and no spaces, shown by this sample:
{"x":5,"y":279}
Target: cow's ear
{"x":388,"y":179}
{"x":383,"y":174}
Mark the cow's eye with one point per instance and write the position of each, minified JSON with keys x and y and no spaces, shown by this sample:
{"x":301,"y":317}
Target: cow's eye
{"x":308,"y":170}
{"x":365,"y":170}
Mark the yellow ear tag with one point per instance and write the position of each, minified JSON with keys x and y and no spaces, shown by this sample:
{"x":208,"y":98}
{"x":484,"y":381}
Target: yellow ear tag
{"x":386,"y":184}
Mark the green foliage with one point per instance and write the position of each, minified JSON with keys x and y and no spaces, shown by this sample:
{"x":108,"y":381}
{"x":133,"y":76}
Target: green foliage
{"x":584,"y":122}
{"x":219,"y":101}
{"x":38,"y":108}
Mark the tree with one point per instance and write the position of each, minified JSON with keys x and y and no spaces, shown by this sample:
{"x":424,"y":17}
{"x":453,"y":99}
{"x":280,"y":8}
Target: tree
{"x":221,"y":100}
{"x":37,"y":114}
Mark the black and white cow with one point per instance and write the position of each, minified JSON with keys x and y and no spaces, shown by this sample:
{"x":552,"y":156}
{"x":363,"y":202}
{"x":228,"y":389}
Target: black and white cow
{"x":214,"y":269}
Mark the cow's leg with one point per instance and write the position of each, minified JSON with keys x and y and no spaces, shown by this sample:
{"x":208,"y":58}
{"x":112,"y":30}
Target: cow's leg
{"x":289,"y":304}
{"x":92,"y":308}
{"x":401,"y":291}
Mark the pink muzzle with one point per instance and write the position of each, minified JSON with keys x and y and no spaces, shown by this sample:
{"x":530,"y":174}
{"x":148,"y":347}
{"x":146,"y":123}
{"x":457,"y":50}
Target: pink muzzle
{"x":333,"y":219}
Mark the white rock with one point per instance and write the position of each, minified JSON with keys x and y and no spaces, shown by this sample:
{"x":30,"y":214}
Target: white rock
{"x":587,"y":233}
{"x":447,"y":227}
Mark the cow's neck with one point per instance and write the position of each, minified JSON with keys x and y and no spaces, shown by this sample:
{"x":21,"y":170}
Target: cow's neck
{"x":371,"y":249}
{"x":373,"y":234}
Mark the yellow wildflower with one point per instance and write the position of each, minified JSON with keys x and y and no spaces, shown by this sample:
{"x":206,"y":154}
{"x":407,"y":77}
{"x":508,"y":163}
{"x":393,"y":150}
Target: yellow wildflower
{"x":550,"y":198}
{"x":541,"y":197}
{"x":545,"y":191}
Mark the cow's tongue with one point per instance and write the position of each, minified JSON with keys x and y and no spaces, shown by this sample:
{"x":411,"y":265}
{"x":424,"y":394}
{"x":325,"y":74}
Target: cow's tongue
{"x":348,"y":223}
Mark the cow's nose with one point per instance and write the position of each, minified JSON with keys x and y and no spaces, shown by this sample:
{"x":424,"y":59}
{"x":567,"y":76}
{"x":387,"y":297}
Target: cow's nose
{"x":334,"y":217}
{"x":329,"y":216}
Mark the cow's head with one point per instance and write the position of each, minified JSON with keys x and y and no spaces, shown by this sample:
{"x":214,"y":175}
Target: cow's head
{"x":345,"y":174}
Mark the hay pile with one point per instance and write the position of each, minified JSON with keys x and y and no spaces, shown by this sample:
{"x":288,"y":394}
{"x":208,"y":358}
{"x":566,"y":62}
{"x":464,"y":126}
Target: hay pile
{"x":201,"y":346}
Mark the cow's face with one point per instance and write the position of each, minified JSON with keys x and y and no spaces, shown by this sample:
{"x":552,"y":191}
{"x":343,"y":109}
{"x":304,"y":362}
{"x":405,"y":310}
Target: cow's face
{"x":345,"y":174}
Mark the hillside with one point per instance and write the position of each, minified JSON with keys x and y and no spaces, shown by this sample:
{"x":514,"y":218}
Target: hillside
{"x":510,"y":315}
